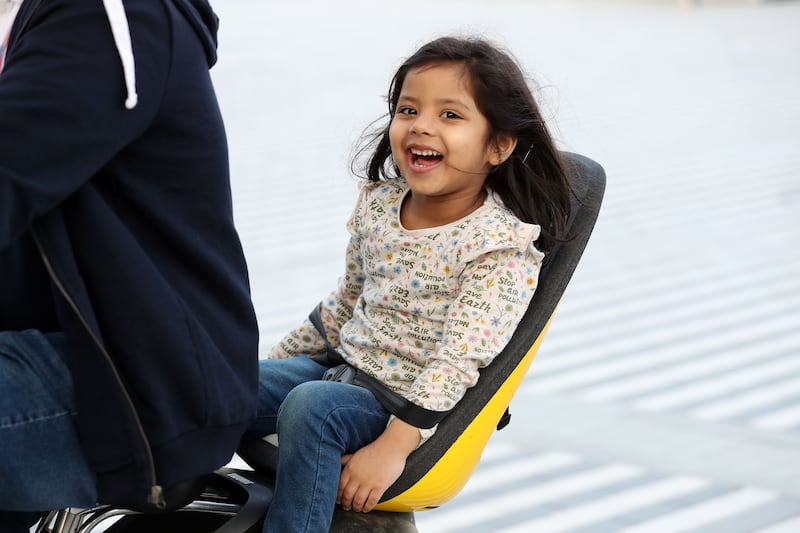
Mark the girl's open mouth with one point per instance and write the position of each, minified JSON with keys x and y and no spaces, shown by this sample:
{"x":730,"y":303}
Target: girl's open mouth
{"x":424,"y":159}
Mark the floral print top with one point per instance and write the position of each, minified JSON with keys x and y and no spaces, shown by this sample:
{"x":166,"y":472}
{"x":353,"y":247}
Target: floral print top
{"x":422,"y":310}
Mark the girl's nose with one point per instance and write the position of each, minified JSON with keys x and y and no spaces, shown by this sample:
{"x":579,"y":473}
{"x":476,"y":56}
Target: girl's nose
{"x":422,"y":125}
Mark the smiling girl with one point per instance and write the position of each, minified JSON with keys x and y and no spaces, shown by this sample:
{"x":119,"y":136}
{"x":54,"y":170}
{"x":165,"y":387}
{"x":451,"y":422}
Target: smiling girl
{"x":466,"y":193}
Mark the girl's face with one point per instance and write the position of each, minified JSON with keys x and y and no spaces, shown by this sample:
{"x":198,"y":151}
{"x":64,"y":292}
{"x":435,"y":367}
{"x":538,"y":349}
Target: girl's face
{"x":438,"y":137}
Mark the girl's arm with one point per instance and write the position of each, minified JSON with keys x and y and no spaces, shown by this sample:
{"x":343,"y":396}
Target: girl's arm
{"x":337,"y":308}
{"x":496,"y":289}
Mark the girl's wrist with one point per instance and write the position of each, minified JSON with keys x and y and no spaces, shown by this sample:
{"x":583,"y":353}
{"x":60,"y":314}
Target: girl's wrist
{"x":402,"y":436}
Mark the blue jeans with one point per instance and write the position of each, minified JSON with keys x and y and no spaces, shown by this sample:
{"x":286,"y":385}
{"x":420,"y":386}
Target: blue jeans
{"x":42,"y":465}
{"x":317,"y":422}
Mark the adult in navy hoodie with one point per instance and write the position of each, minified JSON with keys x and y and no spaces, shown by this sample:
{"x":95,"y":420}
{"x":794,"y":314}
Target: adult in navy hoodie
{"x":118,"y":253}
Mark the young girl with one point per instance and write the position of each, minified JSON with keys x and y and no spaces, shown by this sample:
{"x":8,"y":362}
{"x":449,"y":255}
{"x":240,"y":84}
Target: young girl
{"x":440,"y":267}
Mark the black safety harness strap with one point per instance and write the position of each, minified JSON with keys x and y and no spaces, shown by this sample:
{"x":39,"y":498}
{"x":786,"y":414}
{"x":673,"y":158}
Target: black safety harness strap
{"x":393,"y":402}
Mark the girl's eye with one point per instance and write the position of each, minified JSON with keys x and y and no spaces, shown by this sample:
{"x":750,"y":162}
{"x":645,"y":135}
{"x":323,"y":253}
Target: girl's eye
{"x":407,"y":111}
{"x":450,"y":114}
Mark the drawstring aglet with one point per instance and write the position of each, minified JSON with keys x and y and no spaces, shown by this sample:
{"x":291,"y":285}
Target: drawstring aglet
{"x":157,"y":497}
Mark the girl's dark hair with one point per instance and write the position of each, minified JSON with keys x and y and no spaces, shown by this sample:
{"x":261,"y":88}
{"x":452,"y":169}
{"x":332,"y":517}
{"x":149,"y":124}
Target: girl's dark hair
{"x":535,"y":188}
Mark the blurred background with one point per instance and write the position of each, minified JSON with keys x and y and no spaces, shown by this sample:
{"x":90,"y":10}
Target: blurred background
{"x":666,"y":396}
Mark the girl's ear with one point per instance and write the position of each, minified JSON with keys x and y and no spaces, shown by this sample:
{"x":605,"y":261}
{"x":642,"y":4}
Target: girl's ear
{"x":504,"y":145}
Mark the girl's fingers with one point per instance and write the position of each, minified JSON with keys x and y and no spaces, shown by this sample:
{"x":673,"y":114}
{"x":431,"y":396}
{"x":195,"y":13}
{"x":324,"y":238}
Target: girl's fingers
{"x":372,"y":501}
{"x":343,"y":482}
{"x":360,"y":499}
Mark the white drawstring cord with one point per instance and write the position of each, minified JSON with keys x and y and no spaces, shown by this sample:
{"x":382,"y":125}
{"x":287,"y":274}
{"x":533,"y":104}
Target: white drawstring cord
{"x":115,"y":12}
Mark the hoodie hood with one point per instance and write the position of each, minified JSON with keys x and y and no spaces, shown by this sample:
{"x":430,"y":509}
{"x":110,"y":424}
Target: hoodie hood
{"x":199,"y":14}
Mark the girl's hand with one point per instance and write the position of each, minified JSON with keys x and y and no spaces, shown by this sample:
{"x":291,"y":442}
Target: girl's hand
{"x":368,"y":472}
{"x":366,"y":475}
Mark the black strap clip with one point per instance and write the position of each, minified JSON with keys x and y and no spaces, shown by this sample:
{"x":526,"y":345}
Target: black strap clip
{"x":343,"y":373}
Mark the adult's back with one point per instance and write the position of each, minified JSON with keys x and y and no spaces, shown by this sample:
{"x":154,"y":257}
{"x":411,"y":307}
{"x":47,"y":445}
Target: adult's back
{"x":115,"y":196}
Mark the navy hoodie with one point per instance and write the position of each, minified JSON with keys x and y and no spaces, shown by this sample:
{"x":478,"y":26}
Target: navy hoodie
{"x":116,"y":228}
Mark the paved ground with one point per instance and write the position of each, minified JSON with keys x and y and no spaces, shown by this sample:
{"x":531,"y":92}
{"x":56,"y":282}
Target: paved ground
{"x":667,"y":394}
